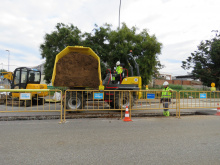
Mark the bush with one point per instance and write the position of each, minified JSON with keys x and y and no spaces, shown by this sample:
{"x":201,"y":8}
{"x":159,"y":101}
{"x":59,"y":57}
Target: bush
{"x":176,"y":87}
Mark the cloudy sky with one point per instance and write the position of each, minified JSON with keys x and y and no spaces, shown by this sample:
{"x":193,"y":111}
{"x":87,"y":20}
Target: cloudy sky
{"x":180,"y":25}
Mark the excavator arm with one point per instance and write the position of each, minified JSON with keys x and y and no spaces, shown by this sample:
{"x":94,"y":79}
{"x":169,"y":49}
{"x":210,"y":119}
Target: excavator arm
{"x":7,"y":75}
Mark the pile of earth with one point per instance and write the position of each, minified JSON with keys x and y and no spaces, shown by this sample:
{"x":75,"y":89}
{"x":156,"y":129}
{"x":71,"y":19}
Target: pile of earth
{"x":77,"y":70}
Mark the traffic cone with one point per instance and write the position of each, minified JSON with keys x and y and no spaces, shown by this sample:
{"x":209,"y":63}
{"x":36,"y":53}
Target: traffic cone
{"x":218,"y":110}
{"x":127,"y":118}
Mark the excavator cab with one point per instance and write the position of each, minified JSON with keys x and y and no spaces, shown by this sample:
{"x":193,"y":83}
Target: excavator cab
{"x":116,"y":98}
{"x":24,"y":76}
{"x":27,"y":78}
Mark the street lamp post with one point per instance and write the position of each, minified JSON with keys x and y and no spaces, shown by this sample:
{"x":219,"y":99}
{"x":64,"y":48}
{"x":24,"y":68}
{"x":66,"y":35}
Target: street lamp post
{"x":8,"y":58}
{"x":119,"y":19}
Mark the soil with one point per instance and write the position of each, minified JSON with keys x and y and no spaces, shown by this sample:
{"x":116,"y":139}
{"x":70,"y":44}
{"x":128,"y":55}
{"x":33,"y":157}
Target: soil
{"x":77,"y":70}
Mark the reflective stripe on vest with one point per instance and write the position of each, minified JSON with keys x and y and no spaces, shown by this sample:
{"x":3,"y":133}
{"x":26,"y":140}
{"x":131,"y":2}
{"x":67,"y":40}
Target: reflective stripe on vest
{"x":166,"y":93}
{"x":119,"y":69}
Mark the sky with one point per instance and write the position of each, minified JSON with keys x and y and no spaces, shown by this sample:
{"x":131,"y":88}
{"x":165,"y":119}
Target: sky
{"x":180,"y":25}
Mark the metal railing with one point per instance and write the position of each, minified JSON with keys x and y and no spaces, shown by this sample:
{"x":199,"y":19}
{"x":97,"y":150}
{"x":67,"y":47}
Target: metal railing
{"x":141,"y":101}
{"x":28,"y":100}
{"x":198,"y":100}
{"x":116,"y":100}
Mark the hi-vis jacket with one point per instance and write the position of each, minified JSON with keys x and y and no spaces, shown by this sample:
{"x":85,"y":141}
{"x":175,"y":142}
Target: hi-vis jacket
{"x":166,"y":94}
{"x":119,"y":69}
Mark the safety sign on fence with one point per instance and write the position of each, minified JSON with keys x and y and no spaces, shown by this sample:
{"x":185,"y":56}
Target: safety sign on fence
{"x":150,"y":96}
{"x":203,"y":96}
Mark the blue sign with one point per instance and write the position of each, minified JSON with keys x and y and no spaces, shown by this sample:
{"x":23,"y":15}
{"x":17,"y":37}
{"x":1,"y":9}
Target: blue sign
{"x":150,"y":96}
{"x":98,"y":96}
{"x":25,"y":96}
{"x":202,"y":95}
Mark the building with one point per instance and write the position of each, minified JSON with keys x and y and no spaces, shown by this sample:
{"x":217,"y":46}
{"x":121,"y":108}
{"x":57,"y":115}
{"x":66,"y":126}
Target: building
{"x":185,"y":77}
{"x":165,"y":76}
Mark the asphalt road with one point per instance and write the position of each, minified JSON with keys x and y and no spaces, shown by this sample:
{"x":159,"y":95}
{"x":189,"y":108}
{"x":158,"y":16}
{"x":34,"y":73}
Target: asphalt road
{"x":190,"y":140}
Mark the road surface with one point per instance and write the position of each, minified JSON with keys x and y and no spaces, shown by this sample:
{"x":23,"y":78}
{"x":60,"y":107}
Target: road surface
{"x":191,"y":140}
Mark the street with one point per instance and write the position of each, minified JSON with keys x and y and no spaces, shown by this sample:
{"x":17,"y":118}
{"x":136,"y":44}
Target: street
{"x":162,"y":140}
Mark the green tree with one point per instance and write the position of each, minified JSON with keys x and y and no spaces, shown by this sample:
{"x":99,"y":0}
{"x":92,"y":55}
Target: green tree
{"x":63,"y":36}
{"x":205,"y":62}
{"x":3,"y":70}
{"x":110,"y":45}
{"x":145,"y":49}
{"x":98,"y":40}
{"x":114,"y":45}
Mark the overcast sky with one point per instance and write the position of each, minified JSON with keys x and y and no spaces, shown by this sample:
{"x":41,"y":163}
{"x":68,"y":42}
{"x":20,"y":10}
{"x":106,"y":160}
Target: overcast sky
{"x":180,"y":25}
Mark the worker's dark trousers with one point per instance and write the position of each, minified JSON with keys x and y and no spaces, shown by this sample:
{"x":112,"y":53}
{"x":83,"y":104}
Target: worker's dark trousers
{"x":166,"y":105}
{"x":117,"y":78}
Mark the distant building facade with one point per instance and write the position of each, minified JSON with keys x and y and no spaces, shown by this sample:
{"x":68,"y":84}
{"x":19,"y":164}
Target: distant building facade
{"x":165,"y":76}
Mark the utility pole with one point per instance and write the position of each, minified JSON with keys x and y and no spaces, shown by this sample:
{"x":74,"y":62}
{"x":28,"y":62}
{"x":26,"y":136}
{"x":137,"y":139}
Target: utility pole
{"x":119,"y":14}
{"x":8,"y":58}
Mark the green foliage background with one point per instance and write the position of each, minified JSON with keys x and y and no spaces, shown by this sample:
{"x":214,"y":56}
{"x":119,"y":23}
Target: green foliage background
{"x":110,"y":45}
{"x":205,"y":62}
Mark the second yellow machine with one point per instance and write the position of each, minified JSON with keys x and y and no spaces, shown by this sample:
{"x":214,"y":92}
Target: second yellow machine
{"x":27,"y":78}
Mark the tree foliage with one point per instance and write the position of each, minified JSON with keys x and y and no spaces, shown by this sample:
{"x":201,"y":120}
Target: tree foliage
{"x":110,"y":45}
{"x":55,"y":42}
{"x":145,"y":49}
{"x":205,"y":62}
{"x":2,"y":70}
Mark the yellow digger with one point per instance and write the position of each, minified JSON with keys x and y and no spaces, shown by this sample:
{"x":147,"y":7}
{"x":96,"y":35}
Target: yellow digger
{"x":26,"y":78}
{"x":8,"y":76}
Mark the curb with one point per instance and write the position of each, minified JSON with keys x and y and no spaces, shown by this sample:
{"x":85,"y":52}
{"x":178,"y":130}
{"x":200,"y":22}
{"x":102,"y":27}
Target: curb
{"x":94,"y":115}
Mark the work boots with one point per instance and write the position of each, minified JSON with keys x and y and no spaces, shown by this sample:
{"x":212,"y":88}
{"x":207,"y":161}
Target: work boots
{"x":166,"y":113}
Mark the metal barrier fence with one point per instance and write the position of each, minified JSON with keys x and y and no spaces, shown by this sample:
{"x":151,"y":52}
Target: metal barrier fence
{"x":116,"y":100}
{"x":152,"y":99}
{"x":198,"y":100}
{"x":31,"y":100}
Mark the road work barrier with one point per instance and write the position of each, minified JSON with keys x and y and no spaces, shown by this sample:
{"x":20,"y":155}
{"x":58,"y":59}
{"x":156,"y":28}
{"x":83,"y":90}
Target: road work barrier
{"x":198,"y":100}
{"x":117,"y":100}
{"x":141,"y":101}
{"x":27,"y":101}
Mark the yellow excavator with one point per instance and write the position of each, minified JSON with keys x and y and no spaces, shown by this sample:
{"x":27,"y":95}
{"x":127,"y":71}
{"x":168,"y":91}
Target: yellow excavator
{"x":6,"y":76}
{"x":26,"y":78}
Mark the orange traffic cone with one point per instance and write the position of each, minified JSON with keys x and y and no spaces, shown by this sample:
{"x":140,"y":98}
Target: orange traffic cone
{"x":127,"y":118}
{"x":218,"y":110}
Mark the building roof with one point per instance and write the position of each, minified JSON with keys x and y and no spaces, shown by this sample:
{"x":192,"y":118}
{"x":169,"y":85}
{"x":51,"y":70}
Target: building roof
{"x":185,"y":76}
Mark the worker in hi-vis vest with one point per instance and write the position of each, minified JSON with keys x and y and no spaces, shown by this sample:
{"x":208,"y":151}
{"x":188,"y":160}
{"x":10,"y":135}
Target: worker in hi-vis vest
{"x":166,"y":98}
{"x":119,"y":70}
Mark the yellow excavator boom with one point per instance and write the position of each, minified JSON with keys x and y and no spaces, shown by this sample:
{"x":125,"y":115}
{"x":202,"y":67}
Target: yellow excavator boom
{"x":7,"y":75}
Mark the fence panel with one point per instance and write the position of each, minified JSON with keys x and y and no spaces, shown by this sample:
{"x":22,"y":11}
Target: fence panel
{"x":198,"y":99}
{"x":151,"y":100}
{"x":115,"y":100}
{"x":31,"y":100}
